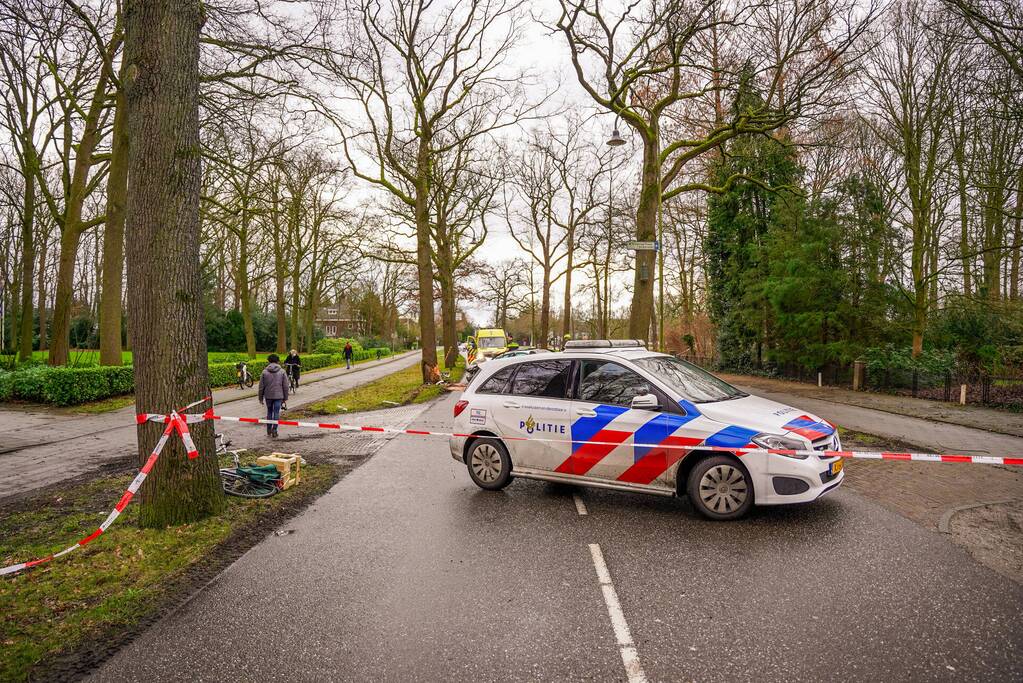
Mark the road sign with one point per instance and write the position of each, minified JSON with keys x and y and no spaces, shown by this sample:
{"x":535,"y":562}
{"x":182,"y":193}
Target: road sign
{"x":636,"y":245}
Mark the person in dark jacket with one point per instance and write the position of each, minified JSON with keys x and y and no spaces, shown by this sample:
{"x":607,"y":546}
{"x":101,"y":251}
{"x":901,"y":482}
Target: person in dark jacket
{"x":293,"y":364}
{"x":348,"y":354}
{"x":273,"y":388}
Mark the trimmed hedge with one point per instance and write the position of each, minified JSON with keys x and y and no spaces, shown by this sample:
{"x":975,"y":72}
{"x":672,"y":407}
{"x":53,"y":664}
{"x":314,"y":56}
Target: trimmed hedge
{"x":65,"y":386}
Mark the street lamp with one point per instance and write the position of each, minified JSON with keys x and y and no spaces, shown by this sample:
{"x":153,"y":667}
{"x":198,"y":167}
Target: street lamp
{"x":616,"y":140}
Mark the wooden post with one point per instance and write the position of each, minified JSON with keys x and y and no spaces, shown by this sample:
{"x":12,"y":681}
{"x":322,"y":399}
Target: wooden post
{"x":859,"y":373}
{"x":962,"y":394}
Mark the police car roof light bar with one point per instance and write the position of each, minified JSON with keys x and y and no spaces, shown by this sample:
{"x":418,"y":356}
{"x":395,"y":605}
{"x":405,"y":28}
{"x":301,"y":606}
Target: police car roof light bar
{"x":605,"y":344}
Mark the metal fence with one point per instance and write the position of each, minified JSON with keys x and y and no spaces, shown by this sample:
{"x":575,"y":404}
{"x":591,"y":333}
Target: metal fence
{"x":1001,"y":390}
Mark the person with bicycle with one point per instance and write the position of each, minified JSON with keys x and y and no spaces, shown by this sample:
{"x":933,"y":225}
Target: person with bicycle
{"x":273,"y":389}
{"x":348,"y":353}
{"x":293,"y":364}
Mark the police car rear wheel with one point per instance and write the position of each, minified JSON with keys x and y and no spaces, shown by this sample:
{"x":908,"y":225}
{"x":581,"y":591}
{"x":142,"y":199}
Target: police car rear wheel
{"x":489,"y":464}
{"x":720,"y":488}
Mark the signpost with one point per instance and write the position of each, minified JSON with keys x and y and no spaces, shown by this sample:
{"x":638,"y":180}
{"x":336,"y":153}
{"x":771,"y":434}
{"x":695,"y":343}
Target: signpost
{"x":636,"y":245}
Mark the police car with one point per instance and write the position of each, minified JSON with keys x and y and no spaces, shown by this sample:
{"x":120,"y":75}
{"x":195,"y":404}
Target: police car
{"x":606,"y":413}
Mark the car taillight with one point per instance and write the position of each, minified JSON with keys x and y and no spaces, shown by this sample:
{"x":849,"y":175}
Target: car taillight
{"x":460,"y":406}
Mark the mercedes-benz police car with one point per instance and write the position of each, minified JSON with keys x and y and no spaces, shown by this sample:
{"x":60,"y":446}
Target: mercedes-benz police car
{"x":606,"y":413}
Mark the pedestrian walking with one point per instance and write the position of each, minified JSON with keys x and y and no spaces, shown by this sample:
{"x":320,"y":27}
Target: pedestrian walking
{"x":349,"y":353}
{"x":273,"y":389}
{"x":293,"y":364}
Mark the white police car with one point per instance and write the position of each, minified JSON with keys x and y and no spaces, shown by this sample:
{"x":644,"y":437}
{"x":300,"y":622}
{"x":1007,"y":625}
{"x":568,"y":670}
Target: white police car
{"x":606,"y":414}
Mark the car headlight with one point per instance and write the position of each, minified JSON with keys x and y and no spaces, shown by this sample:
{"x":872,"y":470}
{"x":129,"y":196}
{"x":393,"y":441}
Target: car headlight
{"x":782,"y":443}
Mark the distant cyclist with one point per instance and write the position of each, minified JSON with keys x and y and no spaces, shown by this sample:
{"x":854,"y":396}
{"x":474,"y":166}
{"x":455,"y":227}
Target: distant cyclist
{"x":293,"y":364}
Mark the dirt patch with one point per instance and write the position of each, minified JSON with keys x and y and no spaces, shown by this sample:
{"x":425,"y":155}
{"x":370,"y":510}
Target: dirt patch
{"x":994,"y":535}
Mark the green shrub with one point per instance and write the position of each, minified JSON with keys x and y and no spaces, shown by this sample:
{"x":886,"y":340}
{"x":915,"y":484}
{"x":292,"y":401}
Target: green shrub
{"x":27,"y":384}
{"x":337,"y":345}
{"x":70,"y":386}
{"x":6,"y":386}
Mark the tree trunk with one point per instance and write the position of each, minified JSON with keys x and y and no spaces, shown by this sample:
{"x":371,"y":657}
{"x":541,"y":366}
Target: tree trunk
{"x":295,"y":304}
{"x":72,"y":226}
{"x":164,"y":278}
{"x":545,"y":308}
{"x":282,"y":319}
{"x":113,"y":239}
{"x":28,"y":254}
{"x":41,"y":292}
{"x":242,"y":276}
{"x":424,"y":262}
{"x":449,"y":333}
{"x":646,"y":230}
{"x":566,"y":321}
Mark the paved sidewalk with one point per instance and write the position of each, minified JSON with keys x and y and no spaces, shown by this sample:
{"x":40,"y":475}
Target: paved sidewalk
{"x":62,"y":447}
{"x":977,"y":417}
{"x":25,"y":427}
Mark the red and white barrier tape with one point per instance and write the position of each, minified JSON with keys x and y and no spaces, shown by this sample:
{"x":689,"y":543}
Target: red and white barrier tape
{"x":925,"y":457}
{"x":178,"y":422}
{"x":174,"y":423}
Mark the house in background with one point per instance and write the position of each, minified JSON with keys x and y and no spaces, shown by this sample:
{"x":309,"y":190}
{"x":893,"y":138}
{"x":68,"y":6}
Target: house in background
{"x":339,"y":320}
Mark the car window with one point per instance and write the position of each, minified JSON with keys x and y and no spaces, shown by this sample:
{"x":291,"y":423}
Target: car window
{"x":605,"y":382}
{"x":542,"y":378}
{"x":496,"y":383}
{"x":695,"y":384}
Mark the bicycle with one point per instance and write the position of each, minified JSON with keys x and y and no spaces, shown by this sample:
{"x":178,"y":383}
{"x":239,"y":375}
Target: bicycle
{"x":292,"y":380}
{"x":237,"y":483}
{"x":244,"y":378}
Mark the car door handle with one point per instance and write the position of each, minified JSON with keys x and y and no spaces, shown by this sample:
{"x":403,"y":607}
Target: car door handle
{"x":586,"y":412}
{"x":511,"y":404}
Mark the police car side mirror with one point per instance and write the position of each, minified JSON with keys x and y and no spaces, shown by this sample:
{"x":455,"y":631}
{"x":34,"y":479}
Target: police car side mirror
{"x":646,"y":402}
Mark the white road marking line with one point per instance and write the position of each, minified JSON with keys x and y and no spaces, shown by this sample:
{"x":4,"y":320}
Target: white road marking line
{"x":627,"y":649}
{"x":580,"y":506}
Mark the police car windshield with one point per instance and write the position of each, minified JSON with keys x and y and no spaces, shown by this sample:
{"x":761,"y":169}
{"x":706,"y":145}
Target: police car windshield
{"x":695,"y":384}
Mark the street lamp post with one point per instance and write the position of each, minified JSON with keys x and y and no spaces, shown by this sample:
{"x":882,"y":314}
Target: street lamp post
{"x":616,"y":140}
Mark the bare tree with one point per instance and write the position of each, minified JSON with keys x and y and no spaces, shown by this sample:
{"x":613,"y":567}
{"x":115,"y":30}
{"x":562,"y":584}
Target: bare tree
{"x":415,"y":69}
{"x":648,"y":63}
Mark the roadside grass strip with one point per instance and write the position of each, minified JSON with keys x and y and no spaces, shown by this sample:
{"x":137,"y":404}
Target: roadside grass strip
{"x":404,"y":387}
{"x":96,"y":598}
{"x":626,"y":646}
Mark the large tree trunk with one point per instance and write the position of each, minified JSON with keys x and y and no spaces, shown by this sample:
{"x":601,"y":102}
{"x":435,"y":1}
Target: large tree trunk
{"x":424,"y":262}
{"x":646,"y":231}
{"x":113,"y":239}
{"x":28,"y":255}
{"x":450,"y":328}
{"x":164,"y":278}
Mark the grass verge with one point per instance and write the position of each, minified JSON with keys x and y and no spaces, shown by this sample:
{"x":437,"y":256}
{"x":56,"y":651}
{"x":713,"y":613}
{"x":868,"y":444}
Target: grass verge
{"x":400,"y":388}
{"x":60,"y":619}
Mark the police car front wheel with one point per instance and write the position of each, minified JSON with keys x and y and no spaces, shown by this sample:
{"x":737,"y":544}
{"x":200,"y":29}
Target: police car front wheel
{"x":720,"y":488}
{"x":489,"y":464}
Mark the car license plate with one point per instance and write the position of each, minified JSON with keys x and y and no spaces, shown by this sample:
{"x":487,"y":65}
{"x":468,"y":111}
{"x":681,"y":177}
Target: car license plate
{"x":836,"y":467}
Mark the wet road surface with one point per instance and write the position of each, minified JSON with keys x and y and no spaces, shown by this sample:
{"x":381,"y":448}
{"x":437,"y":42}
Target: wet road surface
{"x":406,"y":571}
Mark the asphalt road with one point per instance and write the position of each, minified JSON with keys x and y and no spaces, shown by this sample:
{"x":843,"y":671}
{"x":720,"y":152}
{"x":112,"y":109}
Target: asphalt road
{"x":406,"y":571}
{"x":41,"y":447}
